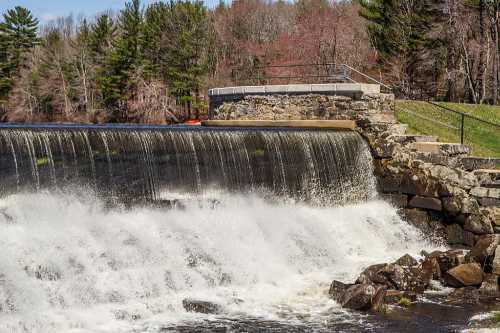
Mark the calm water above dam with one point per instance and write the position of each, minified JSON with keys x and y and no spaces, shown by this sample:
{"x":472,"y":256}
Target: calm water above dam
{"x":263,"y":221}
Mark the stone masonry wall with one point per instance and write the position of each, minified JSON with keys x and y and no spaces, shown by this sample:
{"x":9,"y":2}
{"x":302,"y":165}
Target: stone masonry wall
{"x":432,"y":184}
{"x":306,"y":107}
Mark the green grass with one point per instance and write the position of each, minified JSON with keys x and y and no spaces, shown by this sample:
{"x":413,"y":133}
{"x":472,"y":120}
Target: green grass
{"x":404,"y":302}
{"x":484,"y":139}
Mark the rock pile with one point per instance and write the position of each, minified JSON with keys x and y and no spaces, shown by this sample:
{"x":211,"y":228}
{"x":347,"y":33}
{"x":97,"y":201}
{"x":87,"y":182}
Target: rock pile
{"x":474,"y":275}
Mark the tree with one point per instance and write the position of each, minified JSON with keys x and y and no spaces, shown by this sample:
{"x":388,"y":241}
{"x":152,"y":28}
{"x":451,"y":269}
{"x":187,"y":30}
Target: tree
{"x":400,"y":31}
{"x":124,"y":59}
{"x":101,"y":36}
{"x":175,"y":44}
{"x":18,"y":34}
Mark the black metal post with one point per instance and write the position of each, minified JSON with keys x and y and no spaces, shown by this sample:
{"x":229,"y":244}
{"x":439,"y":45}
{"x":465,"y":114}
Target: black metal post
{"x":462,"y":130}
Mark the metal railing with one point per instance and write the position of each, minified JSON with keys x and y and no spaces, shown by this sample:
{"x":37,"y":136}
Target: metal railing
{"x":303,"y":73}
{"x":451,"y":125}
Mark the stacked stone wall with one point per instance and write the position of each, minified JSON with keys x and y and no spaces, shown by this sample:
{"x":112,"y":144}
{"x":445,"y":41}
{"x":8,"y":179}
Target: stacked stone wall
{"x":437,"y":187}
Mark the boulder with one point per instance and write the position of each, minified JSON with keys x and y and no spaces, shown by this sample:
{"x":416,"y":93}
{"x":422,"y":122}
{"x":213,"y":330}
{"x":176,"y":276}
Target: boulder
{"x":493,"y":214}
{"x":456,"y":177}
{"x":464,"y":275}
{"x":489,"y":287}
{"x":418,"y":218}
{"x":406,"y":261}
{"x":485,"y":192}
{"x":452,"y":205}
{"x":489,"y":202}
{"x":484,"y":249}
{"x":441,"y":148}
{"x":394,"y":296}
{"x":476,"y":163}
{"x":363,"y":297}
{"x":478,"y":224}
{"x":496,"y":262}
{"x":446,"y":260}
{"x":394,"y":276}
{"x":426,"y":203}
{"x":192,"y":305}
{"x":462,"y":296}
{"x":469,"y":205}
{"x":455,"y":234}
{"x":337,"y":290}
{"x":430,"y":269}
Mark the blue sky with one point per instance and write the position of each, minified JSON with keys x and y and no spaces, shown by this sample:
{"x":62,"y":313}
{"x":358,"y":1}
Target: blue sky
{"x":46,"y":10}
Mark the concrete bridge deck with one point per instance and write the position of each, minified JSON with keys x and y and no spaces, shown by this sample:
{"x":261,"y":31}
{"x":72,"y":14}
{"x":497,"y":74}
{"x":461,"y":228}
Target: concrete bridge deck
{"x":328,"y":88}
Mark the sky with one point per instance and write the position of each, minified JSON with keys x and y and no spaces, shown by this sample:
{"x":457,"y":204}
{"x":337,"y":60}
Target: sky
{"x":46,"y":10}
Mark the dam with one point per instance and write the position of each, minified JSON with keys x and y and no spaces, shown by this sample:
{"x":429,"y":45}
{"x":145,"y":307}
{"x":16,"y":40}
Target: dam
{"x":144,"y":163}
{"x":268,"y":217}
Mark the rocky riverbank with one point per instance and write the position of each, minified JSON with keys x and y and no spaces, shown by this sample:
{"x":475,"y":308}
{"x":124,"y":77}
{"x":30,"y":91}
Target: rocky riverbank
{"x":473,"y":275}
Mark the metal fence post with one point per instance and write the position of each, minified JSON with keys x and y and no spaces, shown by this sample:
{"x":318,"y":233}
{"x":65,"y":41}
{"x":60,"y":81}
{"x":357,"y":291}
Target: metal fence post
{"x":462,"y":130}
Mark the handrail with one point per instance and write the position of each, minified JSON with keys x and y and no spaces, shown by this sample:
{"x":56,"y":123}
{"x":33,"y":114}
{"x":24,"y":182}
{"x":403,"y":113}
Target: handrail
{"x":368,"y":77}
{"x":427,"y":118}
{"x":464,"y":114}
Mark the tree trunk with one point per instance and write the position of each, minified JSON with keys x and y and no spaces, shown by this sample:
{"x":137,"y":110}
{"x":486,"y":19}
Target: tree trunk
{"x":453,"y":54}
{"x":481,"y":70}
{"x":496,"y":57}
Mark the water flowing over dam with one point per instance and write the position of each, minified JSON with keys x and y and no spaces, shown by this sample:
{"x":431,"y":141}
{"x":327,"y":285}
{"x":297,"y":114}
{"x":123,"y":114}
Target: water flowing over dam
{"x":140,"y":163}
{"x":295,"y":209}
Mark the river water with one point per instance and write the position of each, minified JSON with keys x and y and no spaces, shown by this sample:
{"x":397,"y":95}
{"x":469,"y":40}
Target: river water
{"x":69,"y":264}
{"x":109,"y":229}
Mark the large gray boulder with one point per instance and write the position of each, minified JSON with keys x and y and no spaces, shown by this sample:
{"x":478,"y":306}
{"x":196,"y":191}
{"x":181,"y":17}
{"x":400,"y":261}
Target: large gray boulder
{"x":394,"y":276}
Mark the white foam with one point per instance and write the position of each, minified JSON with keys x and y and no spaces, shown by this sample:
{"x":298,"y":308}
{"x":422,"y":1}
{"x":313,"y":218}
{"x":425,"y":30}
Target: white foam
{"x":118,"y":270}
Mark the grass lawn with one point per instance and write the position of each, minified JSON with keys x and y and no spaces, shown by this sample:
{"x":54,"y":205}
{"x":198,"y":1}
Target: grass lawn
{"x":424,"y":118}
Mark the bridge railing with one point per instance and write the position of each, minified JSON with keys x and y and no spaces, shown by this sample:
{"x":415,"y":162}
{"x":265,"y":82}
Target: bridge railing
{"x":304,"y":74}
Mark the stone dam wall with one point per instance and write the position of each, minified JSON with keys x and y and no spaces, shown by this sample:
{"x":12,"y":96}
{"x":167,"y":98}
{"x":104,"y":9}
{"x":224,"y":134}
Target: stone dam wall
{"x":438,"y":187}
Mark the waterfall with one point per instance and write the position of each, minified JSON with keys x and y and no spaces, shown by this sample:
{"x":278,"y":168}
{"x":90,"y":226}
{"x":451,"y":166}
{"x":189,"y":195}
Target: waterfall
{"x":143,"y":164}
{"x":269,"y":218}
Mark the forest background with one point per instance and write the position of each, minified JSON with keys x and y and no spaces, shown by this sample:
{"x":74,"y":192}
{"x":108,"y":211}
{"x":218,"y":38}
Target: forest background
{"x":154,"y":63}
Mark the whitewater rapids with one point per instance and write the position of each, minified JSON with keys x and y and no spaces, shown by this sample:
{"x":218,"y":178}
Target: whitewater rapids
{"x":69,"y":264}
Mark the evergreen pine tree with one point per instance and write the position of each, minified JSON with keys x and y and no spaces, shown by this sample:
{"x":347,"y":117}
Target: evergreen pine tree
{"x":399,"y":29}
{"x":116,"y":81}
{"x":101,"y":37}
{"x":187,"y":63}
{"x":18,"y":34}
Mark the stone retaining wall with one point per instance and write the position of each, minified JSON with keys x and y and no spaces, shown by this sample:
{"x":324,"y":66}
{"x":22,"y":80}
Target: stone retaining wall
{"x":434,"y":185}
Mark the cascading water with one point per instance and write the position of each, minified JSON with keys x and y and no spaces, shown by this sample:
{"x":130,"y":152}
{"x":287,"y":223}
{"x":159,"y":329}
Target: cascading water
{"x":70,"y":263}
{"x":136,"y":164}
